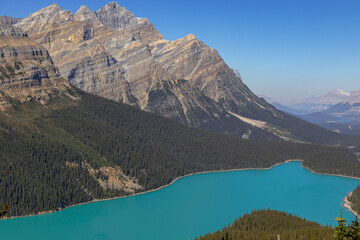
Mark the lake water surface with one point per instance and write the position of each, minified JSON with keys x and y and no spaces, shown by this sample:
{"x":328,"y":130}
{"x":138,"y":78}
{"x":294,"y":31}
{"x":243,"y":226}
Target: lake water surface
{"x":192,"y":206}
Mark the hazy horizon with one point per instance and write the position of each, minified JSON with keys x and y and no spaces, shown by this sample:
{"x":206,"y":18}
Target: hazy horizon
{"x":292,"y":101}
{"x":283,"y":49}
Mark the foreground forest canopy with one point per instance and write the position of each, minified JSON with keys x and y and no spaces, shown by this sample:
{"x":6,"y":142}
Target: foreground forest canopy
{"x":275,"y":225}
{"x":58,"y":155}
{"x":270,"y":225}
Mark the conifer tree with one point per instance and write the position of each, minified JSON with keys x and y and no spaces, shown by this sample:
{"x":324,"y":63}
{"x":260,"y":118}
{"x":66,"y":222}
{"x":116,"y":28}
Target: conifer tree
{"x":354,"y":230}
{"x":341,"y":229}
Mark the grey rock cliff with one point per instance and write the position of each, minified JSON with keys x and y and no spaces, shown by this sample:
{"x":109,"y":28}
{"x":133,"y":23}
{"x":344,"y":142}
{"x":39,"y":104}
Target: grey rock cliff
{"x":27,"y":72}
{"x":5,"y":20}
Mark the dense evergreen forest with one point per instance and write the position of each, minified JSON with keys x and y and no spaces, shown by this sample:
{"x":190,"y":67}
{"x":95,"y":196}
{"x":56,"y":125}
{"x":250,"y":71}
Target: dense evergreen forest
{"x":355,"y":199}
{"x":271,"y":224}
{"x":43,"y":150}
{"x":268,"y":225}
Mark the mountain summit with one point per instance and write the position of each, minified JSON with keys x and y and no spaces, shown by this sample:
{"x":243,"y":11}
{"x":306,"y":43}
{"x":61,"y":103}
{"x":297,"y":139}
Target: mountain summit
{"x":116,"y":17}
{"x":114,"y":54}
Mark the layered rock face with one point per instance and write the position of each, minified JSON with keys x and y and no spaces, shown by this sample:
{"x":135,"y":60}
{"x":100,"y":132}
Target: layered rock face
{"x":27,"y":72}
{"x":114,"y":54}
{"x":5,"y":20}
{"x":188,"y":58}
{"x":119,"y":19}
{"x":108,"y":53}
{"x":80,"y":57}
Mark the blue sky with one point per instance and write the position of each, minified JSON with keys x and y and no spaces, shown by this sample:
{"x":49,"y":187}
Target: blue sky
{"x":286,"y":49}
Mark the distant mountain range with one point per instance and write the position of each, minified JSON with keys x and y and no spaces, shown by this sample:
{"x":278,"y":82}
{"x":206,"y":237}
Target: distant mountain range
{"x":348,"y":108}
{"x":322,"y":102}
{"x":341,"y":111}
{"x":116,"y":55}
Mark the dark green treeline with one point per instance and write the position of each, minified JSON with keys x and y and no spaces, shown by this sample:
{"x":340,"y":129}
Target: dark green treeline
{"x":271,"y":225}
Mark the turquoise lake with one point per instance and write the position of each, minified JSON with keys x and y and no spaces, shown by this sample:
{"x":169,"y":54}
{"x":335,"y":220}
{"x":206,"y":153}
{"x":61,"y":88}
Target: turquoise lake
{"x":192,"y":206}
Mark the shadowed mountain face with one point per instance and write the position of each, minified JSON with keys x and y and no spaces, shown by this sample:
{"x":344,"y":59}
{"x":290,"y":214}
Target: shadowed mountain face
{"x":114,"y":54}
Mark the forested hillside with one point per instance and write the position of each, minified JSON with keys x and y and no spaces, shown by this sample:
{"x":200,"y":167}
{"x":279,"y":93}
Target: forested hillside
{"x":354,"y":198}
{"x":67,"y":151}
{"x":271,"y":225}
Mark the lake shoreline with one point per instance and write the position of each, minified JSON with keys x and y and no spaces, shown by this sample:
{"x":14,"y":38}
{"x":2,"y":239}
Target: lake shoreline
{"x":347,"y":204}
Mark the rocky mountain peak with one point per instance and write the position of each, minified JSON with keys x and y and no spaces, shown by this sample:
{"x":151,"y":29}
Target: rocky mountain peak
{"x":48,"y":11}
{"x":53,"y":7}
{"x":189,"y":37}
{"x":49,"y":16}
{"x":113,"y":4}
{"x":116,"y":17}
{"x":83,"y":10}
{"x":85,"y":14}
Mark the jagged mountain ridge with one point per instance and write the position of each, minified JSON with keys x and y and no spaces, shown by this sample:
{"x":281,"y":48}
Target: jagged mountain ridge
{"x":114,"y":54}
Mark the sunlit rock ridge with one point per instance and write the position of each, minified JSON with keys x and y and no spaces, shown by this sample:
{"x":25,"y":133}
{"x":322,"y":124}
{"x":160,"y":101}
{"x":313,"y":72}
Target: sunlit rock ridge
{"x":27,"y":72}
{"x":116,"y":55}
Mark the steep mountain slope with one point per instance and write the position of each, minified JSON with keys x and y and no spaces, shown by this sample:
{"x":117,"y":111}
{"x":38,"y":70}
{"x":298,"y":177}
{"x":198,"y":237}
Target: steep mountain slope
{"x":61,"y":146}
{"x":114,"y":54}
{"x":27,"y":72}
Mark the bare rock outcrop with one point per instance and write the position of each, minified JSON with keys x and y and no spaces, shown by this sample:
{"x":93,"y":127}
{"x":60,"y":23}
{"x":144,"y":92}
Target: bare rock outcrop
{"x":119,"y":18}
{"x":27,"y":72}
{"x":5,"y":20}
